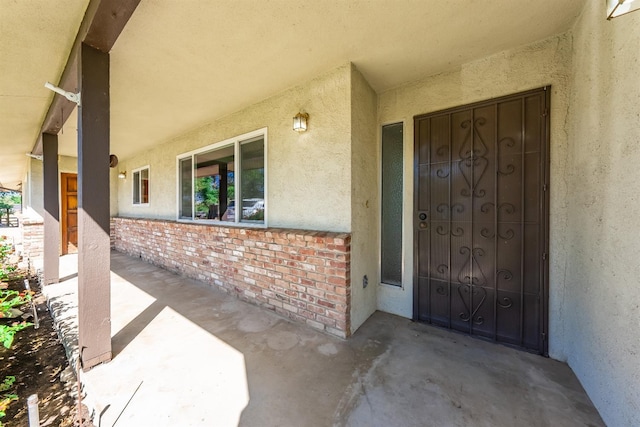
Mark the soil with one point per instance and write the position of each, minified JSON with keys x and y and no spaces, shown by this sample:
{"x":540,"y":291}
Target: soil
{"x":39,"y":363}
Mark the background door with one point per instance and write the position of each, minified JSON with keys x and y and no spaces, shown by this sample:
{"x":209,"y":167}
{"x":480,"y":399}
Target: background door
{"x":481,"y":219}
{"x":69,"y":196}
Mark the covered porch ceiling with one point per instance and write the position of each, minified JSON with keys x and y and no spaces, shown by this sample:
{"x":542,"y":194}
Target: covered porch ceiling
{"x":178,"y":65}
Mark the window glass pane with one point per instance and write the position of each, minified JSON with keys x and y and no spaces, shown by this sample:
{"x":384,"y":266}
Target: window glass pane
{"x":185,"y":189}
{"x":144,"y":186}
{"x":136,"y":188}
{"x":391,"y":230}
{"x":252,"y":182}
{"x":214,"y":188}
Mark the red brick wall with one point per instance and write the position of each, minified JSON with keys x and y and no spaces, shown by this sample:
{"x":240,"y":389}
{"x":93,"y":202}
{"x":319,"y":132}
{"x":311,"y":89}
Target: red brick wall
{"x":32,"y":240}
{"x":304,"y":275}
{"x":112,"y":234}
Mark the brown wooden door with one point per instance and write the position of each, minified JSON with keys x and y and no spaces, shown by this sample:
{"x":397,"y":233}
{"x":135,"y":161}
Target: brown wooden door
{"x":481,"y":219}
{"x":69,"y":196}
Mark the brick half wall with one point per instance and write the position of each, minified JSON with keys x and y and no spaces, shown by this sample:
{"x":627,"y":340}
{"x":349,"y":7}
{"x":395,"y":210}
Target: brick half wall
{"x":303,"y":275}
{"x":33,"y":242}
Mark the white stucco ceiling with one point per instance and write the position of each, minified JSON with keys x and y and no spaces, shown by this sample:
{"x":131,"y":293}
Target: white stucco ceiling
{"x":35,"y":39}
{"x":180,"y":64}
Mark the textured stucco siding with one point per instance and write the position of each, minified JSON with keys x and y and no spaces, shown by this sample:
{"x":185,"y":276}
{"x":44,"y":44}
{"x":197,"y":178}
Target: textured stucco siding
{"x":34,"y":202}
{"x":601,"y":298}
{"x":67,"y":164}
{"x":364,"y":199}
{"x":540,"y":64}
{"x":309,"y":174}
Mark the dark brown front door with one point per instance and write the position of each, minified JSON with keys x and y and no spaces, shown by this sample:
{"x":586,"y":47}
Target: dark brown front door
{"x":69,"y":196}
{"x":481,"y":211}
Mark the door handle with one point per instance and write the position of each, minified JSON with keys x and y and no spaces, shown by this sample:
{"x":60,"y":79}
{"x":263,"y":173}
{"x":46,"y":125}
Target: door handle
{"x":422,"y":216}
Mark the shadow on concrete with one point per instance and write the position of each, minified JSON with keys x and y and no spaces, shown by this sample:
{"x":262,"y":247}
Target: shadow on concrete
{"x":187,"y":354}
{"x":68,"y":277}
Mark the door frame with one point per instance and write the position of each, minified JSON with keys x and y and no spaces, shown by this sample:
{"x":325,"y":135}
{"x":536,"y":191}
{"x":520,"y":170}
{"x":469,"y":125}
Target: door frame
{"x":544,"y":208}
{"x":64,"y":241}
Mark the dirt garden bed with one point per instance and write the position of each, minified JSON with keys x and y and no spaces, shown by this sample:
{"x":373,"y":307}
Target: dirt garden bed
{"x":35,"y":362}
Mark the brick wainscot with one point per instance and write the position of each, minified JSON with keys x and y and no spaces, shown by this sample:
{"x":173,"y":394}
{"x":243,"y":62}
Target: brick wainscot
{"x":33,"y":242}
{"x":303,"y":275}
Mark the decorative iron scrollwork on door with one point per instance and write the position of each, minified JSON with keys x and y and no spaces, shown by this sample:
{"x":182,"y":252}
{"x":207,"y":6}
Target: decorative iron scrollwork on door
{"x":472,"y":284}
{"x":470,"y":315}
{"x":480,"y":172}
{"x":473,"y":161}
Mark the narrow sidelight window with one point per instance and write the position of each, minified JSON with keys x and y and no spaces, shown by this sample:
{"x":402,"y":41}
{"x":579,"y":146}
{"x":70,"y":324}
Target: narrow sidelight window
{"x":141,"y":186}
{"x":391,"y":214}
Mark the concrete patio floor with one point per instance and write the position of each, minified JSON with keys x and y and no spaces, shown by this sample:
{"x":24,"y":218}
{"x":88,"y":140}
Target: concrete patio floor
{"x":188,"y":355}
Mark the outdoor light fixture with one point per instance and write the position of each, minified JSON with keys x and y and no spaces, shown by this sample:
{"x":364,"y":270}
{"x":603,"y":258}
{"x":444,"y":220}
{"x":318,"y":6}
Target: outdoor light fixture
{"x":300,"y":122}
{"x":73,"y":97}
{"x":122,"y":175}
{"x":616,"y":8}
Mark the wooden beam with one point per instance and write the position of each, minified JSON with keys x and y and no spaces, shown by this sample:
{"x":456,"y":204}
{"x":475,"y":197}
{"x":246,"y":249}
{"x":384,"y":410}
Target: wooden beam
{"x":51,"y":209}
{"x":94,"y":246}
{"x":103,"y":22}
{"x":108,"y":22}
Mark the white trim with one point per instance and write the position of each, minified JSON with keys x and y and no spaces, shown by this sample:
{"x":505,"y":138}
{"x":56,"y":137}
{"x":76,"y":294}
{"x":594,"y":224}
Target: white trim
{"x":228,"y":141}
{"x":266,"y":179}
{"x":133,"y":171}
{"x":140,"y":168}
{"x":223,"y":223}
{"x":395,"y":299}
{"x":236,"y":141}
{"x":237,"y":182}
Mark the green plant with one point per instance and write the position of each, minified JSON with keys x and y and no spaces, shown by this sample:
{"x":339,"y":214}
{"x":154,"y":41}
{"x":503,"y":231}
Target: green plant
{"x":10,"y":299}
{"x":5,"y":209}
{"x":8,"y":199}
{"x":258,"y":215}
{"x":8,"y":332}
{"x":5,"y":268}
{"x":6,"y":398}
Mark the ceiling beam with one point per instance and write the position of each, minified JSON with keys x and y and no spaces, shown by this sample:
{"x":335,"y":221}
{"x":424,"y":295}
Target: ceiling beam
{"x":103,"y":22}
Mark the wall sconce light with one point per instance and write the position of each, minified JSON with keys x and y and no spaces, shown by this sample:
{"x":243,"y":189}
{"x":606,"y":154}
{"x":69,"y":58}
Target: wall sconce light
{"x":616,"y":8}
{"x":300,"y":122}
{"x":122,"y":175}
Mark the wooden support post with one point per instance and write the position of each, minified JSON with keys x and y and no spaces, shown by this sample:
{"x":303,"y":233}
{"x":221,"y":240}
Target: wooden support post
{"x":94,"y":292}
{"x":51,"y":209}
{"x":223,"y":194}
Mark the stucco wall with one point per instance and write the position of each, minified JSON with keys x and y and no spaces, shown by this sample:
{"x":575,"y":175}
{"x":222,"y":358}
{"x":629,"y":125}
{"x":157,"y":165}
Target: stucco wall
{"x":34,"y":202}
{"x":542,"y":63}
{"x":309,"y":174}
{"x":67,"y":164}
{"x":601,"y":299}
{"x":364,"y":199}
{"x":113,"y":191}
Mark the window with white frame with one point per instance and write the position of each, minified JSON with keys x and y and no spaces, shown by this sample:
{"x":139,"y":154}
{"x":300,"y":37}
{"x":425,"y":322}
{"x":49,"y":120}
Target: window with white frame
{"x":141,"y":186}
{"x":215,"y":180}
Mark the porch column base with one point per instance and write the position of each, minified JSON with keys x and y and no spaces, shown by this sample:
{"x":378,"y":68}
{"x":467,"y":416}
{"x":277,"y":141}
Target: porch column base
{"x":95,"y":361}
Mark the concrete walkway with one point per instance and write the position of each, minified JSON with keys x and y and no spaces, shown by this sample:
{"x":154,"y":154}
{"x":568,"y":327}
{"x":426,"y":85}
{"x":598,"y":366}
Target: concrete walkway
{"x":187,"y":355}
